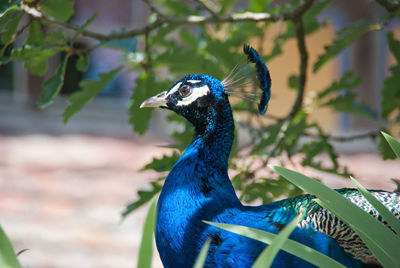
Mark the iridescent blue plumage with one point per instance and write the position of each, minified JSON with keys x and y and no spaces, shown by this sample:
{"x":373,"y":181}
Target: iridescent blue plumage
{"x":263,"y":76}
{"x":198,"y":188}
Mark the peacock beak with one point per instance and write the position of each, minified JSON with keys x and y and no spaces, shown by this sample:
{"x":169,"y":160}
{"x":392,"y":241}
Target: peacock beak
{"x":159,"y":100}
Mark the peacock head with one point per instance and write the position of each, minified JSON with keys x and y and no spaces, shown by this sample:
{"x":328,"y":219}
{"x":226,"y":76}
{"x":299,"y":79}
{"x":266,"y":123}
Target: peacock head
{"x":191,"y":97}
{"x":199,"y":96}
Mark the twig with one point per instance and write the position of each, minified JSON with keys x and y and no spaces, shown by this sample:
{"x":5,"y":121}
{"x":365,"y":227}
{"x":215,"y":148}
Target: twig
{"x":153,"y":8}
{"x":211,"y":7}
{"x":371,"y":134}
{"x":281,"y":136}
{"x":235,"y":17}
{"x":301,"y":45}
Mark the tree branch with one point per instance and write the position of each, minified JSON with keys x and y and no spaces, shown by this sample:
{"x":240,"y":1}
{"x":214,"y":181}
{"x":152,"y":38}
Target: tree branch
{"x":210,"y":6}
{"x":301,"y":45}
{"x":153,"y":8}
{"x":235,"y":17}
{"x":371,"y":134}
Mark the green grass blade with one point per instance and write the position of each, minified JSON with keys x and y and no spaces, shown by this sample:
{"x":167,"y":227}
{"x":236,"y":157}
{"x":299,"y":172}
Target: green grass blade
{"x":360,"y":221}
{"x":268,"y":255}
{"x":395,"y":145}
{"x":295,"y":248}
{"x":378,"y":252}
{"x":7,"y":255}
{"x":383,"y":211}
{"x":146,"y":246}
{"x":201,"y":258}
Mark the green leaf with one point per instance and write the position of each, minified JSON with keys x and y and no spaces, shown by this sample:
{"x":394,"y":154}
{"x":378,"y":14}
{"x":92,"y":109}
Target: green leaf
{"x":9,"y":5}
{"x":394,"y":46}
{"x":53,"y":85}
{"x":82,"y":64}
{"x":310,"y":17}
{"x":347,"y":103}
{"x":89,"y":90}
{"x":297,"y":249}
{"x":382,"y":210}
{"x":379,"y":239}
{"x":146,"y":86}
{"x":391,"y":89}
{"x":144,"y":197}
{"x":56,"y":37}
{"x":395,"y":145}
{"x":201,"y":258}
{"x":35,"y":37}
{"x":345,"y":38}
{"x":258,"y":5}
{"x":8,"y":259}
{"x":268,"y":255}
{"x":188,"y":37}
{"x":270,"y":139}
{"x":163,"y":164}
{"x":378,"y":252}
{"x":293,"y":82}
{"x":8,"y":26}
{"x":391,"y":92}
{"x":146,"y":246}
{"x":59,"y":9}
{"x":385,"y":149}
{"x":34,"y":58}
{"x":348,"y":81}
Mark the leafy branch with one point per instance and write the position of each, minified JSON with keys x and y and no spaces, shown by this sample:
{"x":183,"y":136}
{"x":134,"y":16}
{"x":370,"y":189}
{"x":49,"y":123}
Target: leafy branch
{"x":221,"y":29}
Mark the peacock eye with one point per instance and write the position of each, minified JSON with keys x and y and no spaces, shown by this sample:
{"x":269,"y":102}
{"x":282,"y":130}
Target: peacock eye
{"x":185,"y":90}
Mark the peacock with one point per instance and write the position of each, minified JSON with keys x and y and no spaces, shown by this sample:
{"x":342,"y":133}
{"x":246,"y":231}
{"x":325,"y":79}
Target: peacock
{"x":198,"y":189}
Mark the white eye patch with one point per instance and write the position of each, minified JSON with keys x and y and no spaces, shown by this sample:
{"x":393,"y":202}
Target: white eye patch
{"x":197,"y":93}
{"x":174,"y":89}
{"x":194,"y":81}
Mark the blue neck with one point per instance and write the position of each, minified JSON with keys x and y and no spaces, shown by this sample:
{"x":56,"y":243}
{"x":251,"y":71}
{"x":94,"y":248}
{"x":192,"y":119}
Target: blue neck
{"x":196,"y":189}
{"x":213,"y":142}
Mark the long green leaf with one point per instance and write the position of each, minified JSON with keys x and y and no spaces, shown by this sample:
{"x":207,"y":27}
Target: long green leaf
{"x":146,"y":246}
{"x":395,"y":145}
{"x":376,"y":249}
{"x":201,"y":258}
{"x":8,"y":259}
{"x":345,"y":38}
{"x":90,"y":88}
{"x":268,"y":255}
{"x":360,"y":221}
{"x":144,"y":197}
{"x":53,"y":86}
{"x":297,"y":249}
{"x":383,"y":211}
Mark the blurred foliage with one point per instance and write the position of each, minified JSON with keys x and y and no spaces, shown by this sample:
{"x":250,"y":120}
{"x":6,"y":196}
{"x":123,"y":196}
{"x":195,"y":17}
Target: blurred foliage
{"x":191,"y":37}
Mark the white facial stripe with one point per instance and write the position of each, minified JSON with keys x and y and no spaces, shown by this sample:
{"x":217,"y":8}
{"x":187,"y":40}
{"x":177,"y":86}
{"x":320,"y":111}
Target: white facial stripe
{"x":174,"y":89}
{"x":194,"y":81}
{"x":197,"y":93}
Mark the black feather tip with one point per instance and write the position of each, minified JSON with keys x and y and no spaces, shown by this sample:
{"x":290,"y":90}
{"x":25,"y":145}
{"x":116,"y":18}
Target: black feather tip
{"x":263,"y":77}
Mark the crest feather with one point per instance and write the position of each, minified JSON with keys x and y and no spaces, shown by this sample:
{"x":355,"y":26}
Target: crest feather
{"x":243,"y":74}
{"x":263,"y":76}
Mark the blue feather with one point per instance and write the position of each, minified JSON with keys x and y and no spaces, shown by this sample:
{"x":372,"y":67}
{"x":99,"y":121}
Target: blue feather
{"x":263,"y":77}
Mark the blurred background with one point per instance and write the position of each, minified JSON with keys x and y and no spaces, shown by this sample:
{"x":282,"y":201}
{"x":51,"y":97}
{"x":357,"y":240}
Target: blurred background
{"x":63,"y":186}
